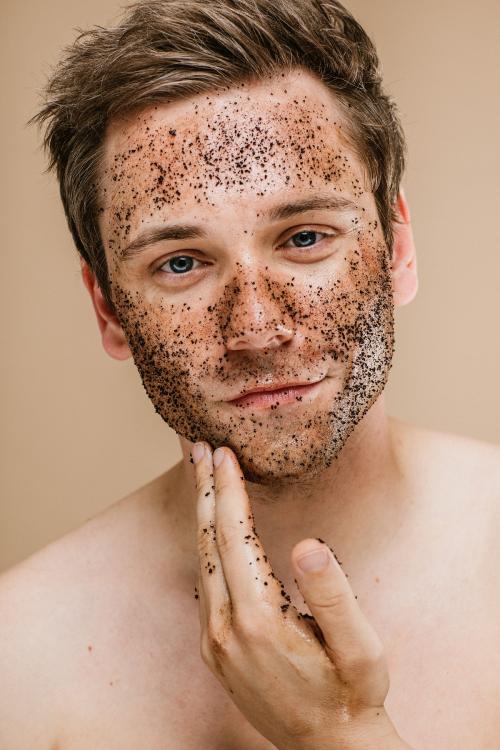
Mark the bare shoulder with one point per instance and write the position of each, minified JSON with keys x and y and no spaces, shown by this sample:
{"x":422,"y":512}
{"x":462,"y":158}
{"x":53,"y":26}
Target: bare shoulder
{"x":454,"y":459}
{"x":459,"y":479}
{"x":54,"y":603}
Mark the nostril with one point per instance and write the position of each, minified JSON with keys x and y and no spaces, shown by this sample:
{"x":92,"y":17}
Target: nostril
{"x":259,"y":339}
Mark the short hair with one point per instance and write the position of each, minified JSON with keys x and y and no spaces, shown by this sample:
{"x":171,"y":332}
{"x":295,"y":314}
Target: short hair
{"x":166,"y":50}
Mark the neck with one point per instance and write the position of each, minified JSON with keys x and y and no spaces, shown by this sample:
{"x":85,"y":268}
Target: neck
{"x":356,"y":506}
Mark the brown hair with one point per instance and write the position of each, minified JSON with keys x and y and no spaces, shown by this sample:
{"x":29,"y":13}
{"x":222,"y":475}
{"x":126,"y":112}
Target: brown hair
{"x":165,"y":50}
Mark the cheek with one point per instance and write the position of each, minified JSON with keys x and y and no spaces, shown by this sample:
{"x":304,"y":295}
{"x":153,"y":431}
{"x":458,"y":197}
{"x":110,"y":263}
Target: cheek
{"x":367,"y":267}
{"x":372,"y":252}
{"x":157,"y":332}
{"x":184,"y":336}
{"x":344,"y":306}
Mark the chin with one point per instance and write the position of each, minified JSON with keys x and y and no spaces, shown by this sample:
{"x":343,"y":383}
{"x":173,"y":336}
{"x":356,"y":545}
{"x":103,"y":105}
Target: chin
{"x":286,"y":468}
{"x":266,"y":477}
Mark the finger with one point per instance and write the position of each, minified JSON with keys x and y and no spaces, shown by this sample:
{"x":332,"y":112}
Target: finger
{"x":350,"y":640}
{"x":202,"y":607}
{"x":213,"y":588}
{"x":249,"y":576}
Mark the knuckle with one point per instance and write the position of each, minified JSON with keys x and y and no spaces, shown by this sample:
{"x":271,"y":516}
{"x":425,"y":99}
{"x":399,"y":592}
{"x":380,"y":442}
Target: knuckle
{"x":226,"y":538}
{"x":213,"y":646}
{"x":364,"y":661}
{"x":332,"y":601}
{"x":204,"y":484}
{"x":224,"y":614}
{"x":373,"y":651}
{"x":247,"y":627}
{"x":217,"y":635}
{"x":299,"y":727}
{"x":223,"y":485}
{"x":218,"y":646}
{"x":359,"y":664}
{"x":204,"y":538}
{"x":376,"y":654}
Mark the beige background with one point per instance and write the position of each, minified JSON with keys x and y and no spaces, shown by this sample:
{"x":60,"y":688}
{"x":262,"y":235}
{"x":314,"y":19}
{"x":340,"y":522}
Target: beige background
{"x":78,"y":430}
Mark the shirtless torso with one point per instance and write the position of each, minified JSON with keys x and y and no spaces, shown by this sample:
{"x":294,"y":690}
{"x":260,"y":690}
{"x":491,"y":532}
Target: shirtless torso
{"x":100,"y":630}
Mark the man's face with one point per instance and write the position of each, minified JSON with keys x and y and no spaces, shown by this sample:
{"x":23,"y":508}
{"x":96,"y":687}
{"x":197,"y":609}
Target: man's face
{"x":253,"y":298}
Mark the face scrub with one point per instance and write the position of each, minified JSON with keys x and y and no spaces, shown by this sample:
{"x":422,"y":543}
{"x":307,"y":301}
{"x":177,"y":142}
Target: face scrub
{"x":244,"y":151}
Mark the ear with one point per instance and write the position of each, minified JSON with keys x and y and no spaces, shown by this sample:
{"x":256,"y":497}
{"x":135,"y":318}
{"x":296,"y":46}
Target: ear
{"x":404,"y":259}
{"x":113,"y":338}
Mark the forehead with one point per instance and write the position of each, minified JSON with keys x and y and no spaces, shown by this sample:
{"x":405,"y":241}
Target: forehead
{"x":246,"y":142}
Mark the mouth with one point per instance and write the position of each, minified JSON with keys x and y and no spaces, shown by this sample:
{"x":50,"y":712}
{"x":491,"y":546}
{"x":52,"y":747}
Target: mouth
{"x":286,"y":394}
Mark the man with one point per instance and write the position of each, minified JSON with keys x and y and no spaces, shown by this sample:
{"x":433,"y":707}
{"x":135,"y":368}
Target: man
{"x":231,"y":175}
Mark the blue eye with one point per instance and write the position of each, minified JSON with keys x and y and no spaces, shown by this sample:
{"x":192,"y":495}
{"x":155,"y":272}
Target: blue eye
{"x":179,"y":264}
{"x":304,"y":238}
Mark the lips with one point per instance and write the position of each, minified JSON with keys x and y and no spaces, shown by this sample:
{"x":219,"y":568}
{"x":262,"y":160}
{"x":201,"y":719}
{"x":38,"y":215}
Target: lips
{"x":276,"y":394}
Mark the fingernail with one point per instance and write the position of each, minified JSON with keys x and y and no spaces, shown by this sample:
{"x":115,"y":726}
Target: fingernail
{"x":317,"y":560}
{"x":218,"y":456}
{"x":197,"y":452}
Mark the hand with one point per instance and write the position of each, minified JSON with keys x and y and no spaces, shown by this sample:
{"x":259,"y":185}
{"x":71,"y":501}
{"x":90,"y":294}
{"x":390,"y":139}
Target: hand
{"x":301,"y":683}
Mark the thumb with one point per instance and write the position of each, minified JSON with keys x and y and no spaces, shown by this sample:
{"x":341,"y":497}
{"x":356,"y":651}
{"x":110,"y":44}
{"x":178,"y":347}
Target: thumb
{"x":351,"y":642}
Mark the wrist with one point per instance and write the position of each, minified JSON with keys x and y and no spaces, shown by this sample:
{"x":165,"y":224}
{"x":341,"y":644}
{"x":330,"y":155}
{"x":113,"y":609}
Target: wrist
{"x":374,"y":730}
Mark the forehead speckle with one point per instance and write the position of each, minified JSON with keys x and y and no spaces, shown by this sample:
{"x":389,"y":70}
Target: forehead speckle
{"x":220,"y":147}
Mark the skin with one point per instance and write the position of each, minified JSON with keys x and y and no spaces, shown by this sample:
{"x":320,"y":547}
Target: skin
{"x":323,"y":310}
{"x":301,"y":684}
{"x":255,"y":306}
{"x":241,"y":318}
{"x":412,"y":516}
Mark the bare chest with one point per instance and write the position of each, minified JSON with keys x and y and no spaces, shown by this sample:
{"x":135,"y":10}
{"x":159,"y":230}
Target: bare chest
{"x":151,"y":688}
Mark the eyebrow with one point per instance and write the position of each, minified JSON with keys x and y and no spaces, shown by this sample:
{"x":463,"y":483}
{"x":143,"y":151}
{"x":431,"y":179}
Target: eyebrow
{"x":192,"y":231}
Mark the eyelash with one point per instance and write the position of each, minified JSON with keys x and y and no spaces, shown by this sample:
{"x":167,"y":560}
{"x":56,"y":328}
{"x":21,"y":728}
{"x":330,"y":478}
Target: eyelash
{"x":185,"y":255}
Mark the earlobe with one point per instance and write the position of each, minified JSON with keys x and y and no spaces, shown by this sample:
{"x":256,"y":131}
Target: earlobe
{"x":404,"y":259}
{"x":112,"y":335}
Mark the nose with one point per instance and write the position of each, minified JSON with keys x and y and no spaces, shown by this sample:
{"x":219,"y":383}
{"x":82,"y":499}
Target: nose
{"x":255,"y":318}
